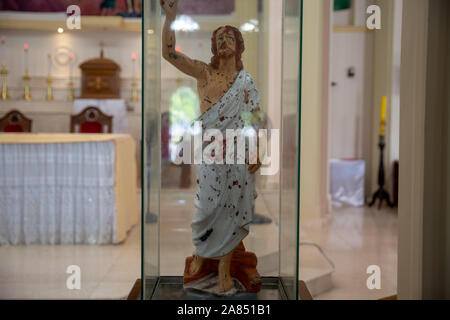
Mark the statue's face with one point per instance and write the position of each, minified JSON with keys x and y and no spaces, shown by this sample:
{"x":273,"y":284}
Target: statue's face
{"x":226,"y":43}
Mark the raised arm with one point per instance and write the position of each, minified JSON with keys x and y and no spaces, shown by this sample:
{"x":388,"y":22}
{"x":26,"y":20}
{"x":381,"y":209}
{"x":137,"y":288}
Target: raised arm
{"x":191,"y":67}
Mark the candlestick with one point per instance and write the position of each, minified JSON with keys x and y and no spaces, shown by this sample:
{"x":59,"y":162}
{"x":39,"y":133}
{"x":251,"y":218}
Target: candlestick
{"x":130,"y":6}
{"x":383,"y":116}
{"x":49,"y":89}
{"x":133,"y":59}
{"x":70,"y":97}
{"x":134,"y":96}
{"x":3,"y":49}
{"x":70,"y":85}
{"x":381,"y":194}
{"x":4,"y":73}
{"x":70,"y":64}
{"x":49,"y":62}
{"x":26,"y":79}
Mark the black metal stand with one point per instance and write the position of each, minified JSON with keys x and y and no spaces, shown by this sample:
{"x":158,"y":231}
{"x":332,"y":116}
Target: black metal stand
{"x":381,"y":193}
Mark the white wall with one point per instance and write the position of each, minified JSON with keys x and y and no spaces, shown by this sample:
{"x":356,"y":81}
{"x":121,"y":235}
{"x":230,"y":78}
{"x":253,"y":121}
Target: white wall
{"x":360,"y":9}
{"x":356,"y":16}
{"x":343,"y":17}
{"x":351,"y":102}
{"x":350,"y":106}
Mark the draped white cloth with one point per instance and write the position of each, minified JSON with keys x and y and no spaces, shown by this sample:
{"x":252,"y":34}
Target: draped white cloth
{"x":112,"y":107}
{"x":58,"y":193}
{"x":225,"y":192}
{"x":347,"y":182}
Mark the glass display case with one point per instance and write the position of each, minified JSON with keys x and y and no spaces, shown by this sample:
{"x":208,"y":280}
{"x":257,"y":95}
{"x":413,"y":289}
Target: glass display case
{"x":271,"y":31}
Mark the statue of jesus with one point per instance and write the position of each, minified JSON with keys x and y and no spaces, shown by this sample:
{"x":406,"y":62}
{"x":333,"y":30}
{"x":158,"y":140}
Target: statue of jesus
{"x":225,"y":192}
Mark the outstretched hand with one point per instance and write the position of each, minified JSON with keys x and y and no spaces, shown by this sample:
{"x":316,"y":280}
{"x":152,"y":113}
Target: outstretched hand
{"x":170,"y":7}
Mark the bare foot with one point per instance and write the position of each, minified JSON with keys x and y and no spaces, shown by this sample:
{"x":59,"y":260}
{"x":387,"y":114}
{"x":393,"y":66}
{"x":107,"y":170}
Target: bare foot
{"x":226,"y":283}
{"x":196,"y":265}
{"x":225,"y":280}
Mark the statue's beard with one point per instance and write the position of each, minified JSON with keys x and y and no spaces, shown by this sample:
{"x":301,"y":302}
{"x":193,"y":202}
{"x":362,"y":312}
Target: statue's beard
{"x":227,"y":53}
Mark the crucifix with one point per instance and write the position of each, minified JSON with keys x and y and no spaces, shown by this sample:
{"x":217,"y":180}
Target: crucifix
{"x":98,"y":83}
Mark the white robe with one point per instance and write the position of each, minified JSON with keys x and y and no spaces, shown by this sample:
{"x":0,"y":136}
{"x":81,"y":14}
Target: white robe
{"x":225,"y":192}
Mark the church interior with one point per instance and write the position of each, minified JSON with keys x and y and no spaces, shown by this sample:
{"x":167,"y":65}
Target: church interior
{"x":81,"y":186}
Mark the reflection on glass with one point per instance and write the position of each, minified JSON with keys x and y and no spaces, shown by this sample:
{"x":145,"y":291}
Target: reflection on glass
{"x":184,"y":109}
{"x":171,"y":103}
{"x":184,"y":23}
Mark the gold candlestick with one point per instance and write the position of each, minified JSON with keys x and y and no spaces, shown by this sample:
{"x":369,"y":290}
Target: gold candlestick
{"x":134,"y":96}
{"x":4,"y":73}
{"x":49,"y":89}
{"x":71,"y":96}
{"x":26,"y":79}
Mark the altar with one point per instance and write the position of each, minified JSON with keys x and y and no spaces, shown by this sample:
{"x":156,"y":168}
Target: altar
{"x":67,"y":188}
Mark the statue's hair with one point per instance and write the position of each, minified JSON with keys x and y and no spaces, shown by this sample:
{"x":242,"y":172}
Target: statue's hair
{"x":240,"y":47}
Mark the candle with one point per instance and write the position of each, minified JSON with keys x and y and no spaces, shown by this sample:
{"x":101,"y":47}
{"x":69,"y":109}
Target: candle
{"x":25,"y":50}
{"x":49,"y":64}
{"x":133,"y":58}
{"x":70,"y":64}
{"x":383,"y":116}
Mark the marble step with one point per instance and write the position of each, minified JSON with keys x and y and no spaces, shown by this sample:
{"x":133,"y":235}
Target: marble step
{"x":315,"y":269}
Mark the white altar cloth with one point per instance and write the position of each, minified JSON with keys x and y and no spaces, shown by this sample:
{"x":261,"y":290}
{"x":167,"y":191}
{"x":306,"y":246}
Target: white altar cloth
{"x":113,"y":107}
{"x":66,"y":189}
{"x":347,"y":182}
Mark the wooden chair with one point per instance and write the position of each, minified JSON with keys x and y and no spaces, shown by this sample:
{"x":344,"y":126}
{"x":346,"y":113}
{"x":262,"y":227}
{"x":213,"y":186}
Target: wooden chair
{"x":91,"y":120}
{"x":15,"y":121}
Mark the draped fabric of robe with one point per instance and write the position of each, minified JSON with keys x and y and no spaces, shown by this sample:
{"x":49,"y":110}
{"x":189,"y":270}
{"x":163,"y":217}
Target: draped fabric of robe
{"x":225,"y":192}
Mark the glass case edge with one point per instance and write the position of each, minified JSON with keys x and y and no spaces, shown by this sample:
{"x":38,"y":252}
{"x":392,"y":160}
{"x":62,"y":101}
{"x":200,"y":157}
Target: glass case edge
{"x":280,"y":180}
{"x":142,"y":151}
{"x":299,"y":144}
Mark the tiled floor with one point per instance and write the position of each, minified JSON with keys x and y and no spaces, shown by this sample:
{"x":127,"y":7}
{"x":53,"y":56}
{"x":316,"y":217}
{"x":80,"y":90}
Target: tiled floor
{"x":354,"y":239}
{"x":39,"y":272}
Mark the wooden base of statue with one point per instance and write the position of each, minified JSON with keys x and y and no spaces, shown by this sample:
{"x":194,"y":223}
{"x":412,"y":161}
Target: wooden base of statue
{"x":243,"y":268}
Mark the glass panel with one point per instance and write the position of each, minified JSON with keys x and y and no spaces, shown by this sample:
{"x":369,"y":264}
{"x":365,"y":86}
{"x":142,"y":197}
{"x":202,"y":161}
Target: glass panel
{"x":347,"y":70}
{"x":151,"y":145}
{"x":171,"y":104}
{"x":290,"y":114}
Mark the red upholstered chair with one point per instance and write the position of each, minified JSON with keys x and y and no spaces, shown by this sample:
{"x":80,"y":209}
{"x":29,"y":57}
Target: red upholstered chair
{"x":15,"y":121}
{"x":91,"y":120}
